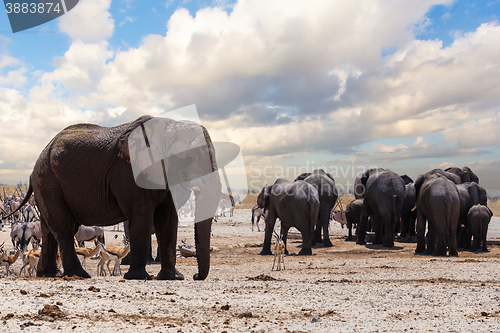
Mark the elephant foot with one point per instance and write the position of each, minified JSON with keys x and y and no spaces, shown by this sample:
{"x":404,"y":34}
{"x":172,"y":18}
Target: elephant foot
{"x":348,"y":239}
{"x":327,"y":243}
{"x":266,"y":252}
{"x":313,"y":242}
{"x":485,"y":249}
{"x":377,"y":242}
{"x":388,"y":244}
{"x":419,"y":250}
{"x":77,"y":272}
{"x":170,"y":275}
{"x":137,"y":274}
{"x":360,"y":241}
{"x":318,"y":240}
{"x":453,"y":253}
{"x":473,"y":249}
{"x":49,"y":273}
{"x":439,"y":253}
{"x":198,"y":277}
{"x":305,"y":252}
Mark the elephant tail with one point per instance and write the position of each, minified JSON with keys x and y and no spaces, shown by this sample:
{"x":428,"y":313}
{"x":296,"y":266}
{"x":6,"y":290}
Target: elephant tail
{"x":26,"y":198}
{"x":314,"y":216}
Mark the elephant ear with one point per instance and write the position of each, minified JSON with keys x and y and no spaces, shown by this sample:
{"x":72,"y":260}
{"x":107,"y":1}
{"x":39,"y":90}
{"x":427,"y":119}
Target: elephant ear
{"x":418,"y":184}
{"x":469,"y":174}
{"x":267,"y":194}
{"x":122,"y":145}
{"x":364,"y":177}
{"x":489,"y":210}
{"x":330,"y":176}
{"x":474,"y":193}
{"x":263,"y":198}
{"x":302,"y":176}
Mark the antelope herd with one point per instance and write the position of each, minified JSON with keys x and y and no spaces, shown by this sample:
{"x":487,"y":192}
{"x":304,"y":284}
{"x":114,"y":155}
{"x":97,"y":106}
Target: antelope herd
{"x":26,"y":233}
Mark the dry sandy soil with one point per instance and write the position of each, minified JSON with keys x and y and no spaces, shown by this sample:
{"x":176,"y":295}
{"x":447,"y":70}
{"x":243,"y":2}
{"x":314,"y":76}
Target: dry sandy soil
{"x":345,"y":288}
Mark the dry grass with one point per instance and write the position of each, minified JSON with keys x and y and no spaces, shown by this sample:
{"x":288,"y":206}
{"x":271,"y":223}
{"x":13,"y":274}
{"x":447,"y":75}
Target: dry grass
{"x":10,"y":189}
{"x":494,"y":205}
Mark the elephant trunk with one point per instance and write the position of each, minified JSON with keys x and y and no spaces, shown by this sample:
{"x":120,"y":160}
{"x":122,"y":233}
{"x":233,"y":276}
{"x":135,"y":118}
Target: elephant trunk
{"x":202,"y":241}
{"x":207,"y":200}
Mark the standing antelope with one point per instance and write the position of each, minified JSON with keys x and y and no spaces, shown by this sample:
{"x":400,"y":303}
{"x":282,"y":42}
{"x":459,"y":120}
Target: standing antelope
{"x":8,"y":260}
{"x":83,"y":253}
{"x":117,"y":254}
{"x":105,"y":258}
{"x":258,"y":213}
{"x":279,"y":252}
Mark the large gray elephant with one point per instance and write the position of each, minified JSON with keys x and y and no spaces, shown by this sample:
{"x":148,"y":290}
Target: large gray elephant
{"x":465,"y":174}
{"x":438,"y":202}
{"x":384,"y":195}
{"x":296,"y":204}
{"x":470,"y":194}
{"x":479,"y":217}
{"x":325,"y":184}
{"x":85,"y":176}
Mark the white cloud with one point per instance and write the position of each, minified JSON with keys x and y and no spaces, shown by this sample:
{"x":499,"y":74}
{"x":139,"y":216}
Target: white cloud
{"x":90,"y":21}
{"x":286,"y":78}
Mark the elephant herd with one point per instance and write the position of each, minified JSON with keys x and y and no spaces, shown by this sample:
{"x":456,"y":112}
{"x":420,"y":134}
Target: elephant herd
{"x":450,"y":203}
{"x":99,"y":176}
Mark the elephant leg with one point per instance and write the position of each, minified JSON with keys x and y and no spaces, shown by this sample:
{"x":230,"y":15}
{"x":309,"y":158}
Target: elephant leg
{"x":439,"y":234}
{"x":324,"y":219}
{"x":412,"y":224}
{"x":349,"y":228}
{"x":270,"y":222}
{"x":165,"y":224}
{"x":475,"y":237}
{"x":405,"y":224}
{"x":389,"y":234}
{"x":284,"y":235}
{"x":140,"y":237}
{"x":420,"y":232}
{"x":317,"y":232}
{"x":468,"y":237}
{"x":363,"y":222}
{"x":484,"y":231}
{"x":47,"y":265}
{"x":307,"y":234}
{"x":381,"y":220}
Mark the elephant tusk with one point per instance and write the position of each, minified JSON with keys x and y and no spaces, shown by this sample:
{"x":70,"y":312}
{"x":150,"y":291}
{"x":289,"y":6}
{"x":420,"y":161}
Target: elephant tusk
{"x":414,"y":208}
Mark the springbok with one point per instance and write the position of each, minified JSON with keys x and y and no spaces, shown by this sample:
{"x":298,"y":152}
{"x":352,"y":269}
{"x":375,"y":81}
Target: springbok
{"x":279,"y":252}
{"x":119,"y":254}
{"x":83,"y":253}
{"x":8,"y":260}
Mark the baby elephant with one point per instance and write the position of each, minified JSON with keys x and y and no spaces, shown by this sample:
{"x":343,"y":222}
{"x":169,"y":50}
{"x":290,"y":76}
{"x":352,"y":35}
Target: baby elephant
{"x":353,"y":213}
{"x":479,"y":217}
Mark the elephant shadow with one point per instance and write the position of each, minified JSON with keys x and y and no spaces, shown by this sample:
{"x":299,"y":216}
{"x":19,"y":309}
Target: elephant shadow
{"x":380,"y":247}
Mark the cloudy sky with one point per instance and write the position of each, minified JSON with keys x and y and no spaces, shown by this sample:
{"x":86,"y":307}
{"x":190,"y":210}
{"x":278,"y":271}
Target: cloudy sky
{"x":405,"y":85}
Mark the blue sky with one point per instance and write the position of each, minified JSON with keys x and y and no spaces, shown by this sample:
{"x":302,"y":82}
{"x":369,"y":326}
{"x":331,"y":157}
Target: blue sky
{"x":398,"y":85}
